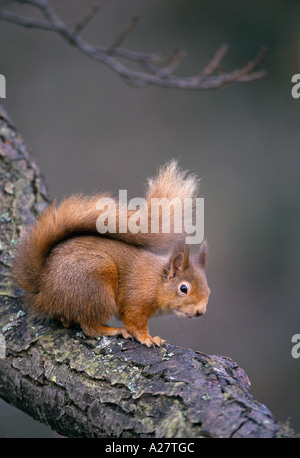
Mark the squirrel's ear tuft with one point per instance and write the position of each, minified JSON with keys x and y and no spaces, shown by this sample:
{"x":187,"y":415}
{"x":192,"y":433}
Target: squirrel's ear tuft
{"x":202,"y":255}
{"x":175,"y":265}
{"x":179,"y":259}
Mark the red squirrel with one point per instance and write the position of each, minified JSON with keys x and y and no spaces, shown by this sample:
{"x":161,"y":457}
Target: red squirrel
{"x":72,"y":273}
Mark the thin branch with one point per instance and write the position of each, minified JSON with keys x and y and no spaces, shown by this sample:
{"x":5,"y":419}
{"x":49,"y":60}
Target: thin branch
{"x":24,"y":21}
{"x":119,"y":40}
{"x":84,"y":22}
{"x":173,"y":62}
{"x":214,"y":64}
{"x":248,"y":67}
{"x":151,"y":64}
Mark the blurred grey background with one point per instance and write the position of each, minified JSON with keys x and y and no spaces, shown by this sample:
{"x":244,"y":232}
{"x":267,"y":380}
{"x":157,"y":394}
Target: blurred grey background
{"x":90,"y":131}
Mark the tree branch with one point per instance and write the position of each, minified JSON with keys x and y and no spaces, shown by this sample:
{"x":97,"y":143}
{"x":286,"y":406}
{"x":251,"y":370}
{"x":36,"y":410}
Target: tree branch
{"x":106,"y":387}
{"x":153,"y":73}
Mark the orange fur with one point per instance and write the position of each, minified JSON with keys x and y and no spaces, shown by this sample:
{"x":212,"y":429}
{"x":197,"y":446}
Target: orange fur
{"x":74,"y":274}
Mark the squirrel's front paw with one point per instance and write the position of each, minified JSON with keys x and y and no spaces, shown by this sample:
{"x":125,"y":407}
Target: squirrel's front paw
{"x":143,"y":336}
{"x":152,"y":341}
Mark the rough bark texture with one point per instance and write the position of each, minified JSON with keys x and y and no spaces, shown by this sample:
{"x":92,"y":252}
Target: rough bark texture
{"x":105,"y":387}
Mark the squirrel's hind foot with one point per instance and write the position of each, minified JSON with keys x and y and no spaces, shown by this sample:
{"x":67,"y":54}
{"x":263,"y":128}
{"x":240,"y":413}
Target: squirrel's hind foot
{"x":102,"y":330}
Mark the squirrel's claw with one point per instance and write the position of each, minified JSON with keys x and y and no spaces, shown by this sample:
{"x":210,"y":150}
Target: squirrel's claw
{"x":153,"y":341}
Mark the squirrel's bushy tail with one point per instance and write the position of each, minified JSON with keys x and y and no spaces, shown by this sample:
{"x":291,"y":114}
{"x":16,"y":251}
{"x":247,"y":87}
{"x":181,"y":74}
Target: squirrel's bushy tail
{"x":172,"y":182}
{"x":78,"y":215}
{"x":75,"y":215}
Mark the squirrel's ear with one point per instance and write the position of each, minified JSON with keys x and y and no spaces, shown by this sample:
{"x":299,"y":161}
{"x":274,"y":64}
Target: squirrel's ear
{"x":179,"y":259}
{"x":202,"y":255}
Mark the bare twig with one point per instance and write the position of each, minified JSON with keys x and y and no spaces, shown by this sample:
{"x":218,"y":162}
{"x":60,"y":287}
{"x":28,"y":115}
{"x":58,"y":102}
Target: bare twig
{"x":248,"y":67}
{"x":152,"y":71}
{"x":83,"y":23}
{"x":214,"y":64}
{"x":173,"y":62}
{"x":119,"y":40}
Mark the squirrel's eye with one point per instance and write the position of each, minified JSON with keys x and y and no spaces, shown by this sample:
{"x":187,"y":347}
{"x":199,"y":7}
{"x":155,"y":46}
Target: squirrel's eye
{"x":184,"y":288}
